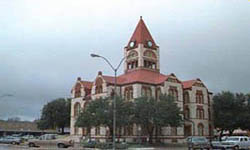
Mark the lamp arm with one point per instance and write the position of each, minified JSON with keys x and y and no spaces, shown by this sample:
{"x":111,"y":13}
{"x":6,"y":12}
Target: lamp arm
{"x":120,"y":63}
{"x":108,"y":62}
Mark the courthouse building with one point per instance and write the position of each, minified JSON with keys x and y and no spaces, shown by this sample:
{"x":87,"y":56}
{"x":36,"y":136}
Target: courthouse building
{"x":142,"y":77}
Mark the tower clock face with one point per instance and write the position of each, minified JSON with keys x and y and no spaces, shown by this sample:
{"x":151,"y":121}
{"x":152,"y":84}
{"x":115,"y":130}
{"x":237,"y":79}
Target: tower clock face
{"x":150,"y":44}
{"x":132,"y":44}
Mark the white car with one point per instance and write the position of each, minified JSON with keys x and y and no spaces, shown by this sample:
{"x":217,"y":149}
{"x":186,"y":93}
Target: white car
{"x":236,"y":142}
{"x":50,"y":140}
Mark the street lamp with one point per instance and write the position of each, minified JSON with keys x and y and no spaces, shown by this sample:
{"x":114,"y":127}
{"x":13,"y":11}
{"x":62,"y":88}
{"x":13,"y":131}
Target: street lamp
{"x":114,"y":101}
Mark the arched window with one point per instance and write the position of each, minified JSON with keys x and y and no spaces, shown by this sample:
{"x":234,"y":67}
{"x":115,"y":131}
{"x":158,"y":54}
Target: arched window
{"x":200,"y":113}
{"x":187,"y":113}
{"x":173,"y":92}
{"x":200,"y":129}
{"x":146,"y":91}
{"x":132,"y":60}
{"x":77,"y":109}
{"x":78,"y":90}
{"x":149,"y":54}
{"x":199,"y":97}
{"x":128,"y":93}
{"x":186,"y":97}
{"x":98,"y":86}
{"x":132,"y":54}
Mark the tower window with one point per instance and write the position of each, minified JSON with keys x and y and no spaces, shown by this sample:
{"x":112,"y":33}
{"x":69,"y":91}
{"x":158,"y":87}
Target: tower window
{"x":132,"y":54}
{"x":150,"y":54}
{"x":149,"y":64}
{"x":132,"y":64}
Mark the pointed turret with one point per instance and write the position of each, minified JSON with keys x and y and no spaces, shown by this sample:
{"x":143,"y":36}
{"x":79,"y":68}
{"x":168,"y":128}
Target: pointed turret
{"x":141,"y":51}
{"x":141,"y":35}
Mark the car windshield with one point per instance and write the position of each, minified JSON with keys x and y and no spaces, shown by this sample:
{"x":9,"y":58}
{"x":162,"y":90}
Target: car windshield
{"x":232,"y":139}
{"x":199,"y":139}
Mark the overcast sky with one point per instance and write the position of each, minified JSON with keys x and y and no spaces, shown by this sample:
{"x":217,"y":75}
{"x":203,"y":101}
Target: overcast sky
{"x":45,"y":44}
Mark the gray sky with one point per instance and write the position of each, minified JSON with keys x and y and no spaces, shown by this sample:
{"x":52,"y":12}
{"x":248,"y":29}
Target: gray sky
{"x":45,"y":44}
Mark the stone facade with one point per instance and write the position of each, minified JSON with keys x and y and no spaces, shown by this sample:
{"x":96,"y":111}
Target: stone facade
{"x":142,"y":77}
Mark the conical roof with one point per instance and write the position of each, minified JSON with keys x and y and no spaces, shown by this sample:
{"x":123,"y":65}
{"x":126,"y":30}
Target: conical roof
{"x":142,"y":35}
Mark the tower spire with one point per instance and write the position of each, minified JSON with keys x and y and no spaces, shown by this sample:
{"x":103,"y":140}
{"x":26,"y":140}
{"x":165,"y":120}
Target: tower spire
{"x":142,"y":35}
{"x":141,"y":51}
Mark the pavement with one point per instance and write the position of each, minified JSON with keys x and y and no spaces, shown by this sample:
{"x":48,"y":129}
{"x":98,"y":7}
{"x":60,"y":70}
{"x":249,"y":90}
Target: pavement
{"x":25,"y":147}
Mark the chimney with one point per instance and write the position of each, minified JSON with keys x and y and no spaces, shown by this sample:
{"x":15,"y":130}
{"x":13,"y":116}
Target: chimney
{"x":100,"y":73}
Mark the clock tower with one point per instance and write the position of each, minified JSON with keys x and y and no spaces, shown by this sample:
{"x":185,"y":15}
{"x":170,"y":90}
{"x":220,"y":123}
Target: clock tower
{"x":141,"y":51}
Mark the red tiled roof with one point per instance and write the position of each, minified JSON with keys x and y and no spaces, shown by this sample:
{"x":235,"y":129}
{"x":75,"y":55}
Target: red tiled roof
{"x":87,"y":84}
{"x":188,"y":84}
{"x":141,"y":76}
{"x":109,"y":79}
{"x":142,"y":35}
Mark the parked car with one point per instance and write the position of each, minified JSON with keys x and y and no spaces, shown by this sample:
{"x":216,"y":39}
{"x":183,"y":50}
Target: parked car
{"x":27,"y":137}
{"x":198,"y":142}
{"x":10,"y":140}
{"x":51,"y":141}
{"x":235,"y":142}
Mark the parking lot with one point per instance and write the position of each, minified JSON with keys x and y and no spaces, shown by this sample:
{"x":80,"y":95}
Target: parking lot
{"x":24,"y":147}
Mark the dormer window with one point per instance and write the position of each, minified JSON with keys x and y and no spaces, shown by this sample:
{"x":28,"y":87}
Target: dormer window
{"x":78,"y":90}
{"x":98,"y":86}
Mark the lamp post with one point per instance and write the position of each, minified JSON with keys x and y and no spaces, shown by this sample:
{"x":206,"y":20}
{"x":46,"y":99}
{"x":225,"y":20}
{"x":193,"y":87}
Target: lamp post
{"x":114,"y":100}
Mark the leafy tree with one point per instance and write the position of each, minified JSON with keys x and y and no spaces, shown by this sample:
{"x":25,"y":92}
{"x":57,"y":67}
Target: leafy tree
{"x":245,"y":119}
{"x":229,"y":108}
{"x":150,"y":113}
{"x":100,"y":113}
{"x":14,"y":119}
{"x":55,"y":114}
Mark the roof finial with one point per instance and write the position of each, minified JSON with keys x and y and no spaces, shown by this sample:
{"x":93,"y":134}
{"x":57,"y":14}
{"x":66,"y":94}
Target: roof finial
{"x":140,"y":17}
